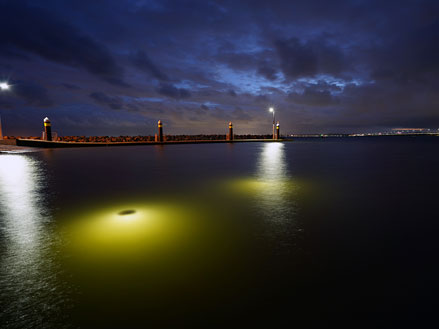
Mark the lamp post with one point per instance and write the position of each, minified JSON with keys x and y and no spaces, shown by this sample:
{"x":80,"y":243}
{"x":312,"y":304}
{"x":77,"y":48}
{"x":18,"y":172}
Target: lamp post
{"x":4,"y":86}
{"x":47,"y":129}
{"x":274,"y":123}
{"x":159,"y":137}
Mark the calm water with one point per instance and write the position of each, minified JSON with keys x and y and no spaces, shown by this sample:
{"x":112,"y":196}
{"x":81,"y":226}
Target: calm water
{"x":311,"y":232}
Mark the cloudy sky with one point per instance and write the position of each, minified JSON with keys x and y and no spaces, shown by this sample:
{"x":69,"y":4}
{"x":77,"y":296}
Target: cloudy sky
{"x":114,"y":67}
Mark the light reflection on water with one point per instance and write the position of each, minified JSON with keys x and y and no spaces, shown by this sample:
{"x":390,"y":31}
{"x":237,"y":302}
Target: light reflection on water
{"x":272,"y":172}
{"x":276,"y":198}
{"x":28,"y":288}
{"x":272,"y":191}
{"x":19,"y":187}
{"x":198,"y":214}
{"x":205,"y":232}
{"x":160,"y":251}
{"x":272,"y":165}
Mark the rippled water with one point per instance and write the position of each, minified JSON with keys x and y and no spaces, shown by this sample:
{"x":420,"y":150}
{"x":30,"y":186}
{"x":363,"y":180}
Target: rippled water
{"x":226,"y":235}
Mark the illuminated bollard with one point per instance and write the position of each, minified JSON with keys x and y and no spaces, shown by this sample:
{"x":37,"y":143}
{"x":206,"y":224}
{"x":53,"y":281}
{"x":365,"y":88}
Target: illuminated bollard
{"x":277,"y":130}
{"x":47,"y":129}
{"x":230,"y":135}
{"x":159,"y":137}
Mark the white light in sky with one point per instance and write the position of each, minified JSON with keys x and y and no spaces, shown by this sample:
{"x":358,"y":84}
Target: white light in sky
{"x":4,"y":86}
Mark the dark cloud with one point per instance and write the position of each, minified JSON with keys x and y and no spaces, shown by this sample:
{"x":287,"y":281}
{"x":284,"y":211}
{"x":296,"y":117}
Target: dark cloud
{"x":132,"y":107}
{"x":170,"y":90}
{"x":6,"y":103}
{"x":240,"y":115}
{"x":341,"y":64}
{"x":13,"y":54}
{"x":33,"y":30}
{"x":312,"y":97}
{"x":262,"y":99}
{"x":310,"y":58}
{"x":141,"y":60}
{"x":411,"y":57}
{"x":26,"y":93}
{"x":71,"y":86}
{"x":267,"y":72}
{"x":320,"y":94}
{"x":258,"y":62}
{"x":33,"y":94}
{"x":114,"y":103}
{"x":238,"y":60}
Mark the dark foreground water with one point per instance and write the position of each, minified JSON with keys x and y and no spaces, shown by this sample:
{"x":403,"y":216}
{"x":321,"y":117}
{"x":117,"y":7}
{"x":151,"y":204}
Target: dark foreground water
{"x":299,"y":234}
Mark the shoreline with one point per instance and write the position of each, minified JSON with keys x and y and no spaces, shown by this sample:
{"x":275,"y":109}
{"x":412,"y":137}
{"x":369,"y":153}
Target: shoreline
{"x":59,"y":144}
{"x":25,"y":144}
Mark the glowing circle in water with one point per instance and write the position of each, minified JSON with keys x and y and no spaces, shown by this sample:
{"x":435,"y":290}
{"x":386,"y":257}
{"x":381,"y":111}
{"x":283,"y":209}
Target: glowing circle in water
{"x":107,"y":232}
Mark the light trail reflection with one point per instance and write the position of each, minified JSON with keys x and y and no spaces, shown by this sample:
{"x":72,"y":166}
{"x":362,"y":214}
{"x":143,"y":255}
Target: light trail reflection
{"x":272,"y":166}
{"x":274,"y":196}
{"x":26,"y":272}
{"x":19,"y":199}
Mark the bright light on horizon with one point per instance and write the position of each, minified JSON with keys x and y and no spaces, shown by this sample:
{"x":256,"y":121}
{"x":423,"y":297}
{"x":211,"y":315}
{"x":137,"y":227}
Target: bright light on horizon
{"x":271,"y":109}
{"x":4,"y":86}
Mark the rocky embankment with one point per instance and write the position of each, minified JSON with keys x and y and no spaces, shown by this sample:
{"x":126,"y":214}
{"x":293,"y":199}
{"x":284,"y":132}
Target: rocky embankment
{"x":131,"y":139}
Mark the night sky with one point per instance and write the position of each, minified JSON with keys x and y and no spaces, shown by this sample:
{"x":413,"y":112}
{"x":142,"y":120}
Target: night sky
{"x":113,"y":67}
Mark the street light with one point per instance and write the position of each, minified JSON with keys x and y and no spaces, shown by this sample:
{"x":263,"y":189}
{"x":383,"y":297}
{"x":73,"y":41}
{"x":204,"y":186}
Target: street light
{"x":4,"y":86}
{"x":274,"y":122}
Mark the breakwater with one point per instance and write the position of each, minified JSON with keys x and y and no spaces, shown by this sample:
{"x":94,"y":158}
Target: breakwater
{"x":51,"y":140}
{"x":62,"y":144}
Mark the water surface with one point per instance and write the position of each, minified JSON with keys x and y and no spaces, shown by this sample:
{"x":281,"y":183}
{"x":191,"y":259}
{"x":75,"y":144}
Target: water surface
{"x":220,"y":234}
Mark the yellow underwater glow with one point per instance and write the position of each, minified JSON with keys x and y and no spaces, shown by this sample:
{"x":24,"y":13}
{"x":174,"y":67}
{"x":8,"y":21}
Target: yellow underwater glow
{"x":248,"y":185}
{"x":127,"y":230}
{"x":254,"y":187}
{"x":161,"y":243}
{"x":204,"y":223}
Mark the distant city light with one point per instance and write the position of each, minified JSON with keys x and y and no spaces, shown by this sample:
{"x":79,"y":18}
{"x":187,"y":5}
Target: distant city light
{"x":4,"y":86}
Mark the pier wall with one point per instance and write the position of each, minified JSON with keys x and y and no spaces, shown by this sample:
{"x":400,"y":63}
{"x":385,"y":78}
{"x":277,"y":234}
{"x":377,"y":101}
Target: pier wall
{"x":58,"y":144}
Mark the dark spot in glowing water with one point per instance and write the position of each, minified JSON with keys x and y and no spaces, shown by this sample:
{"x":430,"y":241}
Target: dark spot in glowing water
{"x":126,"y":212}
